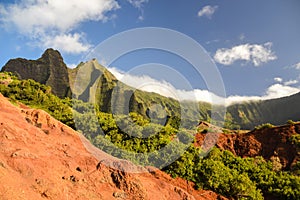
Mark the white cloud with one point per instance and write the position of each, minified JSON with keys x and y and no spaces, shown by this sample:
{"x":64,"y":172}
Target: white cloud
{"x":141,"y":18}
{"x":207,"y":11}
{"x":274,"y":91}
{"x":278,"y":79}
{"x":279,"y":90}
{"x":67,"y":43}
{"x":255,"y":53}
{"x":164,"y":88}
{"x":119,"y":74}
{"x":291,"y":82}
{"x":145,"y":83}
{"x":42,"y":19}
{"x":295,"y":66}
{"x":72,"y":66}
{"x":237,"y":99}
{"x":139,"y":4}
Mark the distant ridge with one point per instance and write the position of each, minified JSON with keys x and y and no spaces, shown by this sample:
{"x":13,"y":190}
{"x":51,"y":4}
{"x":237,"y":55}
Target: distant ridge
{"x":276,"y":111}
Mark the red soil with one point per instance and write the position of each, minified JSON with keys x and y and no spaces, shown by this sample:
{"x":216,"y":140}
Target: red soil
{"x":40,"y":158}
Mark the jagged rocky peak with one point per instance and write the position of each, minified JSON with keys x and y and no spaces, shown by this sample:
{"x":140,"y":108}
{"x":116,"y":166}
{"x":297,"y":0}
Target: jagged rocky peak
{"x":51,"y":54}
{"x":49,"y":69}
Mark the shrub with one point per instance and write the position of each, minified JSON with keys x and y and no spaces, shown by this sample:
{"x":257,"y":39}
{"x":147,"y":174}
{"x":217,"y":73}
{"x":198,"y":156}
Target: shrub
{"x":290,"y":122}
{"x":264,"y":126}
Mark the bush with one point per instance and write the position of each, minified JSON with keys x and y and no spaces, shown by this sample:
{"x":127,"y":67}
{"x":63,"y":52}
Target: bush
{"x":264,"y":126}
{"x":38,"y":96}
{"x":290,"y":122}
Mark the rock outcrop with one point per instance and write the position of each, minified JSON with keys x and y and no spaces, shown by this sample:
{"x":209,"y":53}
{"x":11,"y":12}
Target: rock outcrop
{"x":50,"y":70}
{"x":41,"y":158}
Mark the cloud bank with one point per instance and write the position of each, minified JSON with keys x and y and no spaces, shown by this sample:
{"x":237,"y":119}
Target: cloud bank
{"x":164,"y":88}
{"x":52,"y":23}
{"x":255,"y":53}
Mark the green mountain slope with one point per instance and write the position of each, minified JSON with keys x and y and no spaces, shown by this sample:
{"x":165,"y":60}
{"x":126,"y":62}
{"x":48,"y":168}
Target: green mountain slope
{"x":94,"y":83}
{"x":275,"y":111}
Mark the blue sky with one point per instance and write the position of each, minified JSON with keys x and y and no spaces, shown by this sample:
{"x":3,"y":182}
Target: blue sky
{"x":255,"y":44}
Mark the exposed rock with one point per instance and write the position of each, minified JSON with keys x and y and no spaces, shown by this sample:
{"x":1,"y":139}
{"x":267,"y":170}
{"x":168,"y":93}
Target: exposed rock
{"x":50,"y":70}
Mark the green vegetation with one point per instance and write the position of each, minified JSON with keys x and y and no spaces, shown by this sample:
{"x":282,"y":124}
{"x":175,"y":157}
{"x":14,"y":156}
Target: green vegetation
{"x":235,"y":177}
{"x":137,"y":138}
{"x":290,"y":122}
{"x":295,"y":139}
{"x":264,"y":126}
{"x":39,"y":96}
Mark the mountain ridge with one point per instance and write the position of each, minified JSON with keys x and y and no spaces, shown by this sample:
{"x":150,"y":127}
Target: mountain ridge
{"x":98,"y":85}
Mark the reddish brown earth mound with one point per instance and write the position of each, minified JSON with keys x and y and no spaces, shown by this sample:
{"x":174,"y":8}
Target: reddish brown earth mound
{"x":40,"y":158}
{"x":270,"y":143}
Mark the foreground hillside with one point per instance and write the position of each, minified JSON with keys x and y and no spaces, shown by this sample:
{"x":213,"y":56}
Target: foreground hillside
{"x":41,"y":158}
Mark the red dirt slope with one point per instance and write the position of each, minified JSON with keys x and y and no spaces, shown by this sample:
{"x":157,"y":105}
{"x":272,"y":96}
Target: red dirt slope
{"x":40,"y":158}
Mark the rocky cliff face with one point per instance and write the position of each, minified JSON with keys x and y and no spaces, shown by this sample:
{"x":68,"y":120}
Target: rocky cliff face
{"x":40,"y":158}
{"x":50,"y":70}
